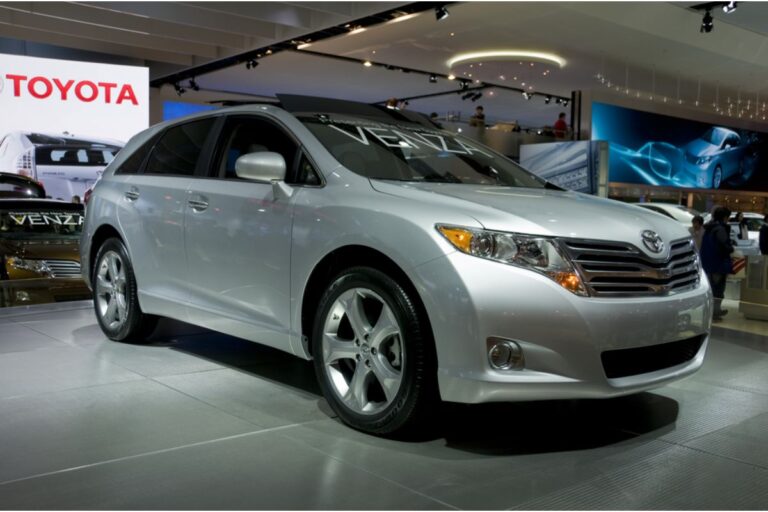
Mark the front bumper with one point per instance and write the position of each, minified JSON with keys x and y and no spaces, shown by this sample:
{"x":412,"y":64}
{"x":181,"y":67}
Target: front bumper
{"x":562,"y":335}
{"x":25,"y":292}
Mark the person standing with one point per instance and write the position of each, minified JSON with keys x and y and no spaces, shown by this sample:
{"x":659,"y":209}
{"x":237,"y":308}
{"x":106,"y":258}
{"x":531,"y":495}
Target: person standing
{"x":743,"y":229}
{"x":716,"y":249}
{"x":560,"y":127}
{"x":764,"y":236}
{"x":697,"y":231}
{"x":478,"y":118}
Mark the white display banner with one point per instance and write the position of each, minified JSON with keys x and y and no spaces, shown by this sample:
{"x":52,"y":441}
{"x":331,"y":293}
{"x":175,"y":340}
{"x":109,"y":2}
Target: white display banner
{"x":62,"y":122}
{"x":81,"y":98}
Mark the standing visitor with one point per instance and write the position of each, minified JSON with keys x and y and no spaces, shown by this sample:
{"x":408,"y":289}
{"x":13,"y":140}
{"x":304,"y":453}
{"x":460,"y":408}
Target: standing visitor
{"x":716,"y":249}
{"x":560,"y":127}
{"x":697,"y":230}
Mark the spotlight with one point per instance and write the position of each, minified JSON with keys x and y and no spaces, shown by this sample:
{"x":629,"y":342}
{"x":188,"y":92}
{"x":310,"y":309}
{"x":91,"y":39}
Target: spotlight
{"x":464,"y":84}
{"x":367,"y":64}
{"x":565,"y":103}
{"x":433,"y":79}
{"x":467,"y":95}
{"x":193,"y":85}
{"x":527,"y":95}
{"x":441,"y":13}
{"x":477,"y":96}
{"x":730,"y":7}
{"x":451,"y":77}
{"x":251,"y":64}
{"x":547,"y":99}
{"x":179,"y":89}
{"x":707,"y":23}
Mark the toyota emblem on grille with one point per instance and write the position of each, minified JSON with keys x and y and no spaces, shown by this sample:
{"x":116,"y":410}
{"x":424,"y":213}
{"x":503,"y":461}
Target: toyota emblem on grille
{"x":652,"y":241}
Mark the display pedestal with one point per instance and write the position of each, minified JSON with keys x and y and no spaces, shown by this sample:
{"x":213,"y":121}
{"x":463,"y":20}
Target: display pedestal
{"x":754,"y":292}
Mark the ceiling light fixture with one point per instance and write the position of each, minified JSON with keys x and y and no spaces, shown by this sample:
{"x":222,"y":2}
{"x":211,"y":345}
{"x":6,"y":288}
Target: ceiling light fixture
{"x":467,"y":95}
{"x":565,"y":103}
{"x":441,"y":13}
{"x":729,"y":7}
{"x":547,"y":99}
{"x":451,"y":77}
{"x":404,"y":17}
{"x":527,"y":95}
{"x":367,"y":64}
{"x":357,"y":30}
{"x":477,"y":96}
{"x":548,"y":58}
{"x":303,"y":45}
{"x":707,"y":23}
{"x":433,"y":79}
{"x":179,"y":89}
{"x":193,"y":85}
{"x":251,"y":64}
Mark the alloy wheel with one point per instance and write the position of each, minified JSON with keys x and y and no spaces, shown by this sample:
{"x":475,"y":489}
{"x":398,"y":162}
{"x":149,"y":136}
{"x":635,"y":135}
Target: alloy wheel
{"x":363,"y":351}
{"x":110,"y":290}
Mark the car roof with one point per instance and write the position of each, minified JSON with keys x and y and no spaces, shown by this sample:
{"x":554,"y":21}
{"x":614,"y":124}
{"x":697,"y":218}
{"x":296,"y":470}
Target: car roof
{"x":17,"y":177}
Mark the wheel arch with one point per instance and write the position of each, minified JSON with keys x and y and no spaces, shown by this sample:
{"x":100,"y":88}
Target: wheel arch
{"x":343,"y":258}
{"x":102,"y":233}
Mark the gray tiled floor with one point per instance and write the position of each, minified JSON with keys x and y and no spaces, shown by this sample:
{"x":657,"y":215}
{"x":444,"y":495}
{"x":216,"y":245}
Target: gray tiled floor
{"x":198,"y":420}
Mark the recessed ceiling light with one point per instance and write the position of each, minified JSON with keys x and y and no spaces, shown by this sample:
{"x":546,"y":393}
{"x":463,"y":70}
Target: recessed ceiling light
{"x":404,"y":17}
{"x":549,"y":58}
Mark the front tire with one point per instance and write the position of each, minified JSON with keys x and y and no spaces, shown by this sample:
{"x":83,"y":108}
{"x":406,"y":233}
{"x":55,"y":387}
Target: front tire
{"x":374,"y":353}
{"x":717,"y":177}
{"x":115,"y":297}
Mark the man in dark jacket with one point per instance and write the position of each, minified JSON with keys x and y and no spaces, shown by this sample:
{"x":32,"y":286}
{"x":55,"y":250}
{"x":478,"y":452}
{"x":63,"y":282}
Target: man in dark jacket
{"x":764,"y":236}
{"x":716,"y":249}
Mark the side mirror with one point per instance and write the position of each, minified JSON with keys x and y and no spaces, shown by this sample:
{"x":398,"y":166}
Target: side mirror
{"x":261,"y":166}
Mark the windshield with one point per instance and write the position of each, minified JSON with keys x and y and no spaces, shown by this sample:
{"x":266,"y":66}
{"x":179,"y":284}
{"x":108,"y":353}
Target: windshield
{"x":40,"y":224}
{"x":415,"y":153}
{"x":714,"y":136}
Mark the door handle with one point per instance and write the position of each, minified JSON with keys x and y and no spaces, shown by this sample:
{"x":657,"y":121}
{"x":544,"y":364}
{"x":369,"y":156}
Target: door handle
{"x":198,"y":205}
{"x":132,"y":194}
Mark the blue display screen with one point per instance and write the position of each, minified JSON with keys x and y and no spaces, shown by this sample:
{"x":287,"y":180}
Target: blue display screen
{"x":653,"y":149}
{"x":176,"y":109}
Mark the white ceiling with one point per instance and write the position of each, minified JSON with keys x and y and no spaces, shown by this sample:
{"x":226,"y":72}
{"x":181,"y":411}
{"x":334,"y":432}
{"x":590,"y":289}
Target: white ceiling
{"x":651,"y":48}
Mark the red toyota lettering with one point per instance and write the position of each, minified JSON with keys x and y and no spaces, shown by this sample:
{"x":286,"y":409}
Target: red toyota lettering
{"x":63,"y":88}
{"x":79,"y":91}
{"x":48,"y":88}
{"x":107,"y":86}
{"x":126,"y":93}
{"x":16,"y":79}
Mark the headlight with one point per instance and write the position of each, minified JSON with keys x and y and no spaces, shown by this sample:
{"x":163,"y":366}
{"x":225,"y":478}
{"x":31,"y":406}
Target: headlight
{"x":704,"y":160}
{"x":530,"y":252}
{"x":36,"y":266}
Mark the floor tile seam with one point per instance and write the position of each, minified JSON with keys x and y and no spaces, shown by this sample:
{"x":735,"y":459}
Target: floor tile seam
{"x":76,"y":388}
{"x":12,"y":316}
{"x":204,"y":402}
{"x":148,"y":454}
{"x":67,"y":343}
{"x":380,"y":477}
{"x":731,"y":387}
{"x":719,"y":455}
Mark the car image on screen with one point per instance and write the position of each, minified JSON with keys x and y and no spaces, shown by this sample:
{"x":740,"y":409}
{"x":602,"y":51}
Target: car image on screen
{"x":716,"y":156}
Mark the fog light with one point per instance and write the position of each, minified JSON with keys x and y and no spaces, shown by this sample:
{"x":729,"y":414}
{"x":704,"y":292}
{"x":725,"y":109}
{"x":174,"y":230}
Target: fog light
{"x":505,"y":354}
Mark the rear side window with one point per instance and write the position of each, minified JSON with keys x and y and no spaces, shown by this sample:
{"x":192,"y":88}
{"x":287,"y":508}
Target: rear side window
{"x":67,"y":155}
{"x":132,"y":164}
{"x":178,"y":150}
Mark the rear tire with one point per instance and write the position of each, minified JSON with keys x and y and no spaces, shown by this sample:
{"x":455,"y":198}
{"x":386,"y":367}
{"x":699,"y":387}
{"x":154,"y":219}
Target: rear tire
{"x":374,"y":354}
{"x":115,"y":297}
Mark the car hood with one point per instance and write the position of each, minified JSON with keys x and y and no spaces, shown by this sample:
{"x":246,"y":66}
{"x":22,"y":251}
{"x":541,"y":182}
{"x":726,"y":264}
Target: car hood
{"x":700,"y":147}
{"x":41,"y":249}
{"x":540,"y":211}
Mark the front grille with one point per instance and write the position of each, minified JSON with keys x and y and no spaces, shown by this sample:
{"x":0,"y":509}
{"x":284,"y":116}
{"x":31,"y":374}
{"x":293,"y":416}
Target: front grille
{"x":63,"y":268}
{"x":635,"y":361}
{"x":612,"y":269}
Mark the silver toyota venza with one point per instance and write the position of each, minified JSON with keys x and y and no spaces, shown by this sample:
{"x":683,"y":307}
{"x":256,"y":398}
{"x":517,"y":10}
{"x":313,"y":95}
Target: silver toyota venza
{"x":409,"y":263}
